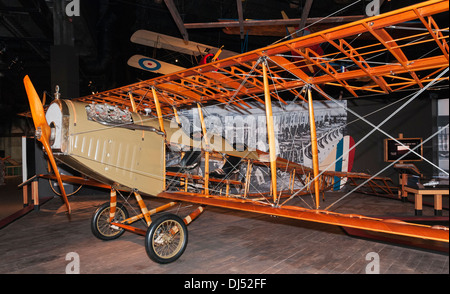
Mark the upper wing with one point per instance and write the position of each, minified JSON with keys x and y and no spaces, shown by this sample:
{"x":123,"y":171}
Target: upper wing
{"x":380,"y":64}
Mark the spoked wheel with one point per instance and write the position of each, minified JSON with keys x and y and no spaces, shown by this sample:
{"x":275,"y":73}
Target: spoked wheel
{"x":100,"y":225}
{"x":166,"y":239}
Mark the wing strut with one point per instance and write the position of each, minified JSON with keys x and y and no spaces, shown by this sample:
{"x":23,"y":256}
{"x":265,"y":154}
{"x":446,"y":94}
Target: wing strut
{"x":315,"y":156}
{"x":158,"y":110}
{"x":133,"y":104}
{"x":205,"y":137}
{"x":270,"y":132}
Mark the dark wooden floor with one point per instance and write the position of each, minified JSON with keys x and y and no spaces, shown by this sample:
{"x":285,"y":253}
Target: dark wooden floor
{"x":220,"y":242}
{"x":11,"y":199}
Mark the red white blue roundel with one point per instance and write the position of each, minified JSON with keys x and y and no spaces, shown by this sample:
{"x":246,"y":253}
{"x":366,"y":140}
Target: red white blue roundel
{"x":149,"y":64}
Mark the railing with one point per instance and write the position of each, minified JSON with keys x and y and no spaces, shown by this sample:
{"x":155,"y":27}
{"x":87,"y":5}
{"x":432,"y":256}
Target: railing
{"x":13,"y":170}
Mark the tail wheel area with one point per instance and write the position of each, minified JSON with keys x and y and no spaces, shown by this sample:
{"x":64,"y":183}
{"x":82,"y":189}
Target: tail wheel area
{"x":166,"y":239}
{"x":100,"y":225}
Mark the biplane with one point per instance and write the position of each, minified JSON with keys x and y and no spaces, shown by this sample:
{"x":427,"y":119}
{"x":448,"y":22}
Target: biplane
{"x":112,"y":137}
{"x":200,"y":52}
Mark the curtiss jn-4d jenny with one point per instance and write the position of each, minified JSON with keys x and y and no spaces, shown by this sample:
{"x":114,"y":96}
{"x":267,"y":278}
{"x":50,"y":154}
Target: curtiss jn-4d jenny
{"x":109,"y":139}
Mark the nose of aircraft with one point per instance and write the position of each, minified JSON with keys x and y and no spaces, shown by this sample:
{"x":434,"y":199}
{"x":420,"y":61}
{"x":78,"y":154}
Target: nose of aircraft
{"x":43,"y":132}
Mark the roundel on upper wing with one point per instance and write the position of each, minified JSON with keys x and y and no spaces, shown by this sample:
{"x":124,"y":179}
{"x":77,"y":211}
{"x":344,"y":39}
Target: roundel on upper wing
{"x":149,"y":64}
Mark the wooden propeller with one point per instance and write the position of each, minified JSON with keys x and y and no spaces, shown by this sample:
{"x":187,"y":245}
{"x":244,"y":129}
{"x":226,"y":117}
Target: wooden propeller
{"x":43,"y":132}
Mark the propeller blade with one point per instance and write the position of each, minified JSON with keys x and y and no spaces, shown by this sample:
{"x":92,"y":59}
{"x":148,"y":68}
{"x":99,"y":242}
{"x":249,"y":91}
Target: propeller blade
{"x":57,"y":174}
{"x":41,"y":125}
{"x":37,"y":110}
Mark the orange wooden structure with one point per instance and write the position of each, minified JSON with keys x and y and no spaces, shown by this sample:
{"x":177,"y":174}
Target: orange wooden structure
{"x":235,"y":80}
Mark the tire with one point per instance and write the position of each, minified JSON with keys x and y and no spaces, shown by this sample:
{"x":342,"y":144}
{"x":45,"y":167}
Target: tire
{"x":100,"y":225}
{"x":162,"y":245}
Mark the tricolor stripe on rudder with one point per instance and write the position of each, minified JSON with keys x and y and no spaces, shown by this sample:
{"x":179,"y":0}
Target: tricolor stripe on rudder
{"x":345,"y":163}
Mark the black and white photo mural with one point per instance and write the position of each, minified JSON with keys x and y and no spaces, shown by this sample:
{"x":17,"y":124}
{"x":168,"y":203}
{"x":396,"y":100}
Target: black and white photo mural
{"x":247,"y":130}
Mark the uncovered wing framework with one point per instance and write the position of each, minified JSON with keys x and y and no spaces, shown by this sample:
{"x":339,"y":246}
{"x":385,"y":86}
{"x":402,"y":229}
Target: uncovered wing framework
{"x":356,"y":70}
{"x":360,"y":58}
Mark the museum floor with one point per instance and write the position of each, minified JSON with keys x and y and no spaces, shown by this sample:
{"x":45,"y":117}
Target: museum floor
{"x":221,"y":241}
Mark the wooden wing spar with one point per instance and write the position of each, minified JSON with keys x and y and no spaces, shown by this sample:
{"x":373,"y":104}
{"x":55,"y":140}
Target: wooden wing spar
{"x":126,"y":150}
{"x":238,"y":79}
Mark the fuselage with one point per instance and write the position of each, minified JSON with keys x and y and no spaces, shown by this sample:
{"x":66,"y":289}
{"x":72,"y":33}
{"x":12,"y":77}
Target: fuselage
{"x":121,"y":148}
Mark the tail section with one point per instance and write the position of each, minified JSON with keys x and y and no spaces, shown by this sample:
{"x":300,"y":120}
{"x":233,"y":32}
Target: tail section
{"x":345,"y":163}
{"x":340,"y":159}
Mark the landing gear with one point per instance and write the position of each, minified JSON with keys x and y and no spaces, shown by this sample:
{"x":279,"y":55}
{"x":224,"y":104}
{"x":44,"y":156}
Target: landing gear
{"x":166,"y":239}
{"x":100,"y":223}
